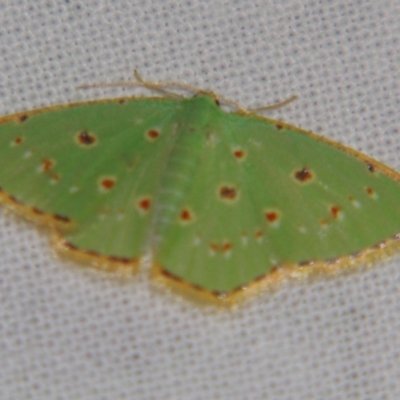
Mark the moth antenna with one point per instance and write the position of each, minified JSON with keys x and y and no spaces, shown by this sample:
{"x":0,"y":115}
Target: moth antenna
{"x":140,"y":82}
{"x":274,"y":106}
{"x":160,"y":88}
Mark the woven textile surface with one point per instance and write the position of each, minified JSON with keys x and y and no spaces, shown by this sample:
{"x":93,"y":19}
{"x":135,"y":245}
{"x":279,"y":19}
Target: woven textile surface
{"x":68,"y":332}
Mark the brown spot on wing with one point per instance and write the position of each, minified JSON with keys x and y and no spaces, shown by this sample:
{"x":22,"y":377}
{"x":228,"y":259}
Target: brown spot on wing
{"x":214,"y":247}
{"x":371,"y":168}
{"x":18,"y":140}
{"x":86,"y":139}
{"x":55,"y":178}
{"x":306,"y":263}
{"x":258,"y":235}
{"x":370,"y":191}
{"x":14,"y":199}
{"x":61,"y":218}
{"x":70,"y":246}
{"x":92,"y":253}
{"x":123,"y":260}
{"x":228,"y":193}
{"x":170,"y":275}
{"x":324,"y":223}
{"x":259,"y":278}
{"x":304,"y":175}
{"x":47,"y":164}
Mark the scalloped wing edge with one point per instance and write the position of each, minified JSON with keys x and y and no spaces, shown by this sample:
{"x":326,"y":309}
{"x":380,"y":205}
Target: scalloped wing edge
{"x":278,"y":276}
{"x":256,"y":288}
{"x":35,"y":214}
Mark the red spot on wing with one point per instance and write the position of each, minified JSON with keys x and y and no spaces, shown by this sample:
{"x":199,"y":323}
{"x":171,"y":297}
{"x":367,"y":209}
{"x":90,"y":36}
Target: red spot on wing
{"x":226,"y":246}
{"x":186,"y":215}
{"x":335,"y":211}
{"x":47,"y":164}
{"x":107,"y":183}
{"x":144,"y":204}
{"x":152,"y":134}
{"x":239,"y":154}
{"x":271,"y":216}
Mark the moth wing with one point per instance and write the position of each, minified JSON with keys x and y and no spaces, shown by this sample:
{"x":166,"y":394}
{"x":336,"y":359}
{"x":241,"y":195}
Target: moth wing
{"x":267,"y":195}
{"x":90,"y":169}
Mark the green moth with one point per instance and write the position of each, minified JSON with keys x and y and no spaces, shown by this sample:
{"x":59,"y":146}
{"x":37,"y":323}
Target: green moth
{"x":226,"y":203}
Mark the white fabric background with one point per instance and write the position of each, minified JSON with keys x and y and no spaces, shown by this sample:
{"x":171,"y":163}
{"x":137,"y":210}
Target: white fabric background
{"x":67,"y":332}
